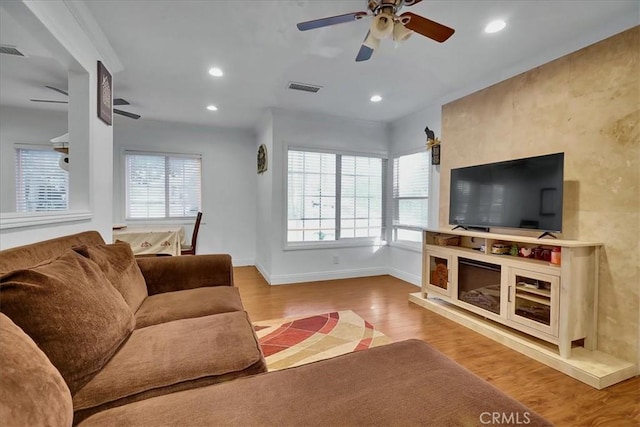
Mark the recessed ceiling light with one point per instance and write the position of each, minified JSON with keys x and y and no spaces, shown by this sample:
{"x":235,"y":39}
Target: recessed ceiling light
{"x":212,"y":108}
{"x":376,"y":98}
{"x":495,"y":26}
{"x":215,"y":72}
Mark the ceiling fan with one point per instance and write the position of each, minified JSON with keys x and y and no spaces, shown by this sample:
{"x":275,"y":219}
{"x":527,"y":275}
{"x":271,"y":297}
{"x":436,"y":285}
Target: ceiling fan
{"x":386,"y":22}
{"x":116,"y":101}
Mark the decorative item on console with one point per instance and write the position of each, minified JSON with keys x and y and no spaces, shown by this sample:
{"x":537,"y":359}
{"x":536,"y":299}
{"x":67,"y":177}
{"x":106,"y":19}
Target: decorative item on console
{"x":514,"y":250}
{"x":447,"y":240}
{"x":500,"y":248}
{"x":556,"y":255}
{"x":542,"y":253}
{"x":525,"y":252}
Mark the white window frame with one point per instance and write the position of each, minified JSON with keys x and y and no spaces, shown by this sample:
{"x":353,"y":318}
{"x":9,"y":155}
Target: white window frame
{"x":125,"y":184}
{"x":344,"y":241}
{"x":415,"y":246}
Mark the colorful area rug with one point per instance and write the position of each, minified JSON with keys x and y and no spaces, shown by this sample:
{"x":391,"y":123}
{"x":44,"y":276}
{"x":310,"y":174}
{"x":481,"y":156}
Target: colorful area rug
{"x":294,"y":342}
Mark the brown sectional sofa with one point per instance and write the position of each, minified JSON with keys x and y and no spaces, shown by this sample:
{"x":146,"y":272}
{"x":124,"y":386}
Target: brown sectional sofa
{"x":91,"y":336}
{"x":173,"y":323}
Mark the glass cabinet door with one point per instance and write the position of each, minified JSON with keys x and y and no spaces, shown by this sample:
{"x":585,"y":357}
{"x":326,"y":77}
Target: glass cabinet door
{"x":438,"y":273}
{"x":533,"y":300}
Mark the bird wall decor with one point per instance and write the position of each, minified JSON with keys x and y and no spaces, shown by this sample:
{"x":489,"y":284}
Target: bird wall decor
{"x":433,"y":144}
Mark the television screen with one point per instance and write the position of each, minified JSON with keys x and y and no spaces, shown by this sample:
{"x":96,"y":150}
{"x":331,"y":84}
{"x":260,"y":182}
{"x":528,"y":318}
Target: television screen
{"x":522,"y":193}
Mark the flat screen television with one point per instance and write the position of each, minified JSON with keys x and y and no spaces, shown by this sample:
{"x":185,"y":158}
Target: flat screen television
{"x":521,"y":193}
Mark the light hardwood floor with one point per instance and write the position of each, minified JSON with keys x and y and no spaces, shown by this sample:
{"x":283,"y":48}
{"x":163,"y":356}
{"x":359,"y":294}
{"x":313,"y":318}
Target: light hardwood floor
{"x":383,"y":301}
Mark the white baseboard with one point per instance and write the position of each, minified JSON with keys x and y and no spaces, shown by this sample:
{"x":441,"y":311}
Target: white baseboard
{"x":242,"y":262}
{"x":407,"y":277}
{"x":283,"y":279}
{"x":263,"y":272}
{"x":319,"y":276}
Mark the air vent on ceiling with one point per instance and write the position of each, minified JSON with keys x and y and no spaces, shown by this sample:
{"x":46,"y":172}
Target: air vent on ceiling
{"x":304,"y":87}
{"x":10,"y":50}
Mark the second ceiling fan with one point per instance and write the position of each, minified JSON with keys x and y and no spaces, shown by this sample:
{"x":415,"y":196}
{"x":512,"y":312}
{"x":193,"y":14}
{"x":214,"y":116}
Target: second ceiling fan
{"x":116,"y":101}
{"x":386,"y":22}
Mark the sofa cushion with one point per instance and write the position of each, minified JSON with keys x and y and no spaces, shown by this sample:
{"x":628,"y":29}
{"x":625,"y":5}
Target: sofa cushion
{"x":407,"y":383}
{"x":169,"y":306}
{"x":168,"y":357}
{"x":32,"y":391}
{"x":69,"y":308}
{"x":29,"y":255}
{"x":119,"y":265}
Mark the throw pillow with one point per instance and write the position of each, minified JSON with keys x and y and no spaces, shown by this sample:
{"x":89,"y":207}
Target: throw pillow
{"x":119,"y":265}
{"x":32,"y":391}
{"x":69,"y":308}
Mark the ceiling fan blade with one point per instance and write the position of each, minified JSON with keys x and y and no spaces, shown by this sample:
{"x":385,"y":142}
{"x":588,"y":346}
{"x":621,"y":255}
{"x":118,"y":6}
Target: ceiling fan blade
{"x":332,"y":20}
{"x":427,"y":27}
{"x":126,"y":114}
{"x":120,"y":101}
{"x":58,"y":90}
{"x":49,"y":101}
{"x":364,"y":53}
{"x":369,"y":44}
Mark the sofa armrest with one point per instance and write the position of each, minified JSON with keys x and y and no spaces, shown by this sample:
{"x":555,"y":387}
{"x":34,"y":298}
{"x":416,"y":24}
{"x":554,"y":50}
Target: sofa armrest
{"x":175,"y":273}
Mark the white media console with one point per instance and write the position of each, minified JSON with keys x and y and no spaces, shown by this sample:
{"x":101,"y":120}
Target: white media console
{"x":547,"y":311}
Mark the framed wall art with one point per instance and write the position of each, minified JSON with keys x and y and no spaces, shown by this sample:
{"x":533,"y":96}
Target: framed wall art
{"x":262,"y":158}
{"x":105,"y":103}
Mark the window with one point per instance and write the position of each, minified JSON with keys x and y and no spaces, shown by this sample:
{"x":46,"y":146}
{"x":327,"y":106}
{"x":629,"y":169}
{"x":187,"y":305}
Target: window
{"x":41,"y":184}
{"x":162,"y":186}
{"x":410,"y":196}
{"x":334,"y":196}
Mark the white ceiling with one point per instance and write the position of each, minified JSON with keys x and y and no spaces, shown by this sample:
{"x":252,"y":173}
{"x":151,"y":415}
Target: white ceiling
{"x":167,"y":47}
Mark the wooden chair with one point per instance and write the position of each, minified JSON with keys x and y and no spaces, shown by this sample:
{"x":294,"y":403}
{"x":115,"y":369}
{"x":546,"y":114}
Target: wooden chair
{"x":191,"y":249}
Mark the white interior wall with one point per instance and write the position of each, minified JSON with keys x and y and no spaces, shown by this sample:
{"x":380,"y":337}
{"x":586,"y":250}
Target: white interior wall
{"x":95,"y":170}
{"x":228,"y":179}
{"x":264,"y":187}
{"x":324,"y":132}
{"x":407,"y":136}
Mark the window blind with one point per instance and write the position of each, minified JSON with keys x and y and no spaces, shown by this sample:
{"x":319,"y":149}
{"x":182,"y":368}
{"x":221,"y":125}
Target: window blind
{"x":311,"y":196}
{"x":410,"y":194}
{"x":361,"y":197}
{"x":41,"y":184}
{"x":160,"y":185}
{"x":333,"y":196}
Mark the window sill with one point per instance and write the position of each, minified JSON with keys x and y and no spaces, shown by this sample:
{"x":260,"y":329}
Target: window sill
{"x":413,"y":246}
{"x":20,"y":220}
{"x":335,"y":244}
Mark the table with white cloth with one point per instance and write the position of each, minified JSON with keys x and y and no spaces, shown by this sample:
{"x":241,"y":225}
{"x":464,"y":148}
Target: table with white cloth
{"x":146,"y":240}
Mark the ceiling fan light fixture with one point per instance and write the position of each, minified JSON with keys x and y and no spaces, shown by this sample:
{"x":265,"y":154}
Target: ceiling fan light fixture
{"x":382,"y":26}
{"x":376,"y":98}
{"x":400,"y":32}
{"x":212,"y":108}
{"x":63,"y":162}
{"x":495,"y":26}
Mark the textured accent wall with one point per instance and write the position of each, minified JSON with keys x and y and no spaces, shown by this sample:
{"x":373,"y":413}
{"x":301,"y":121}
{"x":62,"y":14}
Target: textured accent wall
{"x":587,"y":105}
